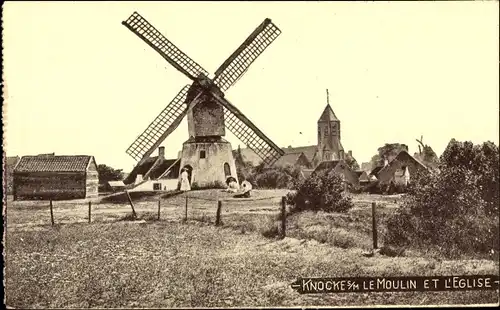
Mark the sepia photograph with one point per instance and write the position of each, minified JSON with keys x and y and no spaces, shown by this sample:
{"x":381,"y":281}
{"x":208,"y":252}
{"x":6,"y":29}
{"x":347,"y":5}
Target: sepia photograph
{"x":209,"y":154}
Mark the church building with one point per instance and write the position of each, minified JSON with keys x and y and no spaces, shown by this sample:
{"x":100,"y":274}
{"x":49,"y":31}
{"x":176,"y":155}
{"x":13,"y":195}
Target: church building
{"x":327,"y":149}
{"x":329,"y":146}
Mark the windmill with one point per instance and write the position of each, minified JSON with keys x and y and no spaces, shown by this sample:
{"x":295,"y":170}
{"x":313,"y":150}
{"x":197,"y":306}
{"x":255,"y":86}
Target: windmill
{"x":206,"y":155}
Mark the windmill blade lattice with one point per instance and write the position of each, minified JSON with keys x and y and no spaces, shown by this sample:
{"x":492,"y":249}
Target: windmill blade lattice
{"x":174,"y":110}
{"x":245,"y":134}
{"x":143,"y":29}
{"x":234,"y":67}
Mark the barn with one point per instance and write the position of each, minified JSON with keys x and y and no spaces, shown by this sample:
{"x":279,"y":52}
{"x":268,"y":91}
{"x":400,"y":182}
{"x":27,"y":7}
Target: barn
{"x":54,"y":177}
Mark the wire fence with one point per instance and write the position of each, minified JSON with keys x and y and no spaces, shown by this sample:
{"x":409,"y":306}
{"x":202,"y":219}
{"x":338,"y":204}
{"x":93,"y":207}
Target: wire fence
{"x":267,"y":215}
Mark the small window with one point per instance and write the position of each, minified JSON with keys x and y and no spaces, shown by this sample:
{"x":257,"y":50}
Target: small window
{"x":203,"y":154}
{"x":157,"y":186}
{"x":326,"y":131}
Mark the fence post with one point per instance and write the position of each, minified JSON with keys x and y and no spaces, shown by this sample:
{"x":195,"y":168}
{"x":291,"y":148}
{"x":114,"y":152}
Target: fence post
{"x":374,"y":225}
{"x":219,"y":207}
{"x":51,"y":214}
{"x":159,"y":203}
{"x":90,"y":210}
{"x":131,"y":204}
{"x":186,"y":211}
{"x":283,"y":217}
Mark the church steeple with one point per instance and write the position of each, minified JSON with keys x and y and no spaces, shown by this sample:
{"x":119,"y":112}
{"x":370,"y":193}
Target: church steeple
{"x":329,"y":146}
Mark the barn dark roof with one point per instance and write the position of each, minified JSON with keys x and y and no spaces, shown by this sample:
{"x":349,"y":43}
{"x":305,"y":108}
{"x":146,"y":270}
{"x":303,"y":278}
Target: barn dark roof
{"x":76,"y":163}
{"x":376,"y":170}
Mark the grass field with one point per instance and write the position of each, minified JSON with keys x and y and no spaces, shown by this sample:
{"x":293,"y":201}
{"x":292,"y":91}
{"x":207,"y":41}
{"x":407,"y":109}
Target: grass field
{"x":112,"y":262}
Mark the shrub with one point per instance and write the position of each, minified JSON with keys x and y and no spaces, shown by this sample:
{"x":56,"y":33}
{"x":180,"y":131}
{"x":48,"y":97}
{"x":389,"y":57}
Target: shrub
{"x":445,"y":210}
{"x":279,"y":177}
{"x":322,"y":191}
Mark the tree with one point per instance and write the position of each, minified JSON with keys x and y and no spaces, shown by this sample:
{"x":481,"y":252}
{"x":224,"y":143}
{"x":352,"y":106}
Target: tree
{"x":107,"y":174}
{"x":482,"y":161}
{"x":238,"y":157}
{"x":426,"y":153}
{"x":322,"y":191}
{"x":388,"y":151}
{"x":455,"y":207}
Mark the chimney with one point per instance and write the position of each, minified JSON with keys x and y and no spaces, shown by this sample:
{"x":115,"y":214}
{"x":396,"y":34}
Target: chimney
{"x":350,"y":153}
{"x":138,"y":178}
{"x":161,"y":152}
{"x":405,"y":147}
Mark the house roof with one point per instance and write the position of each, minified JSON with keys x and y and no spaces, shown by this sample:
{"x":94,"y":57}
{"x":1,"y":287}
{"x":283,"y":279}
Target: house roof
{"x":155,"y":173}
{"x":116,"y":183}
{"x":288,"y":159}
{"x":43,"y":163}
{"x":249,"y":155}
{"x":403,"y":155}
{"x":160,"y":169}
{"x":376,"y":170}
{"x":329,"y":164}
{"x":307,"y":150}
{"x":362,"y":175}
{"x":328,"y":114}
{"x":142,"y":169}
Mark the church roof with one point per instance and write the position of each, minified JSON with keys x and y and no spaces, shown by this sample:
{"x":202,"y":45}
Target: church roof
{"x":328,"y":115}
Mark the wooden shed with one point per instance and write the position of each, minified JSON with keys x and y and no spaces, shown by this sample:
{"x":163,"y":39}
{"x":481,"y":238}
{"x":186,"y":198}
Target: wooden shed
{"x":53,"y":177}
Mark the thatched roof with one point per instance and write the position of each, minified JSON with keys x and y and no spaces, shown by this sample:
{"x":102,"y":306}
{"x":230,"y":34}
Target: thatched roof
{"x":44,"y":163}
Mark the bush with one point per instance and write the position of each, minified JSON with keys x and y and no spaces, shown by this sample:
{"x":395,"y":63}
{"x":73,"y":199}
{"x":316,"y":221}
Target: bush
{"x":322,"y":191}
{"x":279,"y":177}
{"x":446,"y":211}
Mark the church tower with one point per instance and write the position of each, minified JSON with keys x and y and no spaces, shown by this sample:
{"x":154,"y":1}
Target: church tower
{"x":329,"y":146}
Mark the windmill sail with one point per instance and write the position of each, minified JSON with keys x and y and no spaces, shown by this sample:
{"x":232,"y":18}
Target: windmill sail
{"x":144,"y":30}
{"x":248,"y":133}
{"x":234,"y":67}
{"x":161,"y":127}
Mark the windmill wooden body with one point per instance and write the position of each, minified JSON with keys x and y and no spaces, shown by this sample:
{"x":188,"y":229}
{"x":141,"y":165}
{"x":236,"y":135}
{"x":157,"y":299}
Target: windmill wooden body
{"x":206,"y":154}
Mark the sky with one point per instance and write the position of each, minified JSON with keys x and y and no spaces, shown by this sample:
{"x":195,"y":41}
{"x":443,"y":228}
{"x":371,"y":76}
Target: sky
{"x":76,"y":81}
